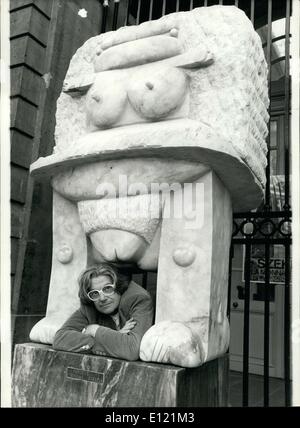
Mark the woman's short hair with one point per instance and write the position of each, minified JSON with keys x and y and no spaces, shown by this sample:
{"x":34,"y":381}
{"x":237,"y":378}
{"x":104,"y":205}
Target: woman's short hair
{"x":119,"y":277}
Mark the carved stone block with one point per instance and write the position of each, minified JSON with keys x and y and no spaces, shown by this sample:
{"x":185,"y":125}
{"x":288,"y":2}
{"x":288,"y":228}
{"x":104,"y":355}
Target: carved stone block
{"x":176,"y":103}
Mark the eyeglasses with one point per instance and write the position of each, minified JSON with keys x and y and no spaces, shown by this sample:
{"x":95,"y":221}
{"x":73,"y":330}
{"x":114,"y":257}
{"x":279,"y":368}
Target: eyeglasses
{"x":108,"y":290}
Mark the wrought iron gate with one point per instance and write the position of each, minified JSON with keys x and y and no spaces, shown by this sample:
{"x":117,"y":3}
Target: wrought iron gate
{"x":270,"y":225}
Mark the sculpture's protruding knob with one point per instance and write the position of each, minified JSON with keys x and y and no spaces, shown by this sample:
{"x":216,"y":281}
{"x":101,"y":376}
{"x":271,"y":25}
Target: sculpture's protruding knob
{"x":174,"y":32}
{"x":149,"y":85}
{"x":184,"y":256}
{"x":64,"y":254}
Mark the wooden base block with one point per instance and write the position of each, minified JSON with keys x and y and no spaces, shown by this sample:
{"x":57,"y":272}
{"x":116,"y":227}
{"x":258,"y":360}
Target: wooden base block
{"x":43,"y":377}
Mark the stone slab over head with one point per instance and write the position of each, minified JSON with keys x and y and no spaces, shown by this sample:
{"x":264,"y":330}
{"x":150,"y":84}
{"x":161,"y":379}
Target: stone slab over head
{"x":160,"y":135}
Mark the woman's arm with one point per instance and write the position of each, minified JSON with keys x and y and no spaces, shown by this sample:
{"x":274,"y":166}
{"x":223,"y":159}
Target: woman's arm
{"x":126,"y":346}
{"x":69,"y":336}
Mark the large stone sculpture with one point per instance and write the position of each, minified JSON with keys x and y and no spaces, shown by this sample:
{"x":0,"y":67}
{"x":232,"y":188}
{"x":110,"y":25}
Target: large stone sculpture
{"x":179,"y":103}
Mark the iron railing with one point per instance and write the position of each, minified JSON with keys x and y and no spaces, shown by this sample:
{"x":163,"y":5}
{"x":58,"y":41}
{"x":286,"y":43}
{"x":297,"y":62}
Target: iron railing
{"x":266,"y":226}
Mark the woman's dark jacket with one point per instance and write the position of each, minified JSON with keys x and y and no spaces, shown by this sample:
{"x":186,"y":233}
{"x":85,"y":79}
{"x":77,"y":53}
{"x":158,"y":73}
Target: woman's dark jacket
{"x":135,"y":303}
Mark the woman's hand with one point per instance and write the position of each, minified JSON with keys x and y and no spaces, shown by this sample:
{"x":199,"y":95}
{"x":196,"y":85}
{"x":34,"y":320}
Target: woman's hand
{"x":91,"y":329}
{"x":128,"y":326}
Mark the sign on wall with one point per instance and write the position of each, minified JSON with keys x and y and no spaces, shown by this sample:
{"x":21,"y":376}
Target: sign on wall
{"x":258,"y":262}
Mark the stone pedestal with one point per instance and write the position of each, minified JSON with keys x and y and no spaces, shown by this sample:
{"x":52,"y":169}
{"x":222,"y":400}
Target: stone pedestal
{"x":43,"y":377}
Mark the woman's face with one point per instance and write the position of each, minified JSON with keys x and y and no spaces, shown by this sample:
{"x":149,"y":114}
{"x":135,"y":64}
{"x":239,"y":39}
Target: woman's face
{"x":105,"y":304}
